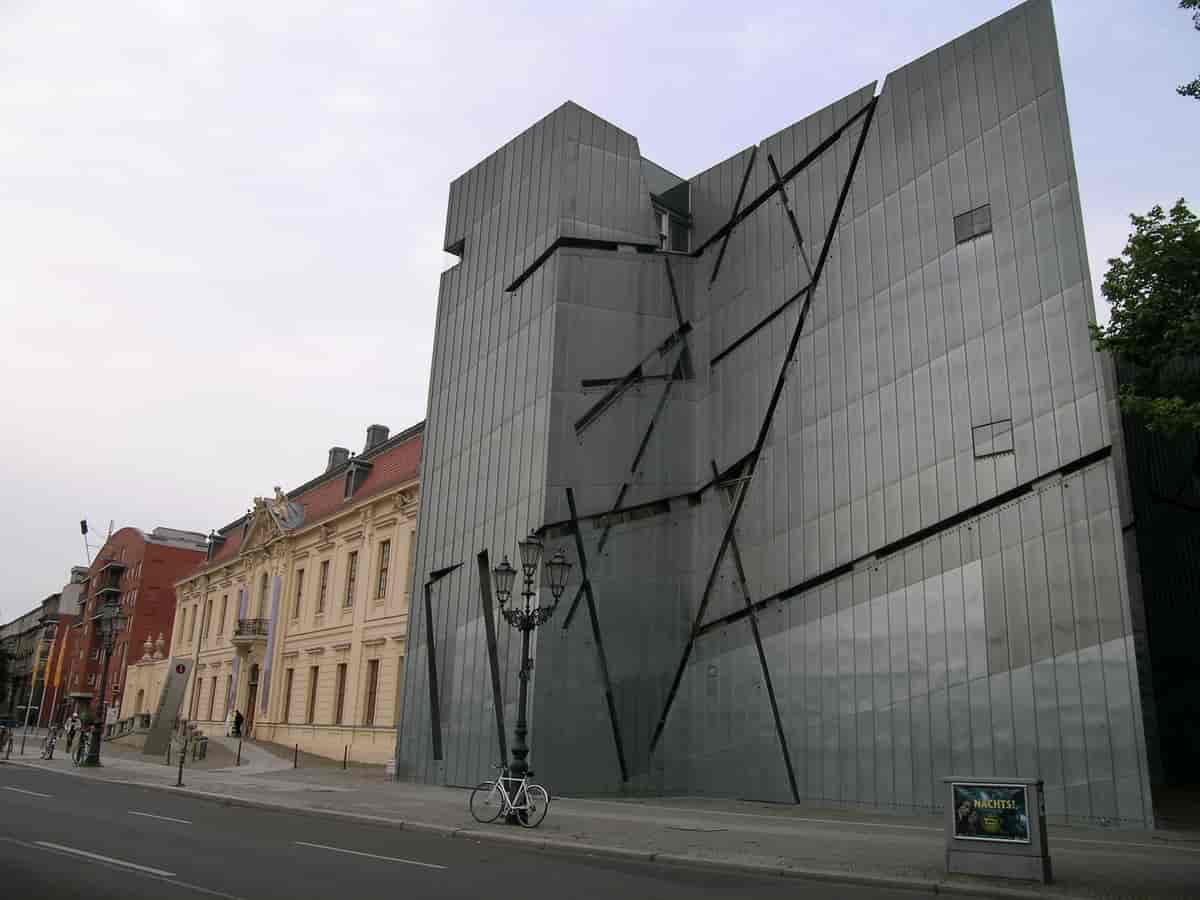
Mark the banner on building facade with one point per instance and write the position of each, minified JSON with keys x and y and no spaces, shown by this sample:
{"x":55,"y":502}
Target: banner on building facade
{"x":169,"y":701}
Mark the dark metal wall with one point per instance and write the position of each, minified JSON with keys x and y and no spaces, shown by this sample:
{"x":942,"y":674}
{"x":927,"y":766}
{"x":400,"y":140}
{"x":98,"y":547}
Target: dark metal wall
{"x":844,"y":491}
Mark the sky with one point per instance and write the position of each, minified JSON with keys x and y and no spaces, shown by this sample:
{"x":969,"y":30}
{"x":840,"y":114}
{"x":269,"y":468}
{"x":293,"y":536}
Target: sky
{"x":222,"y":221}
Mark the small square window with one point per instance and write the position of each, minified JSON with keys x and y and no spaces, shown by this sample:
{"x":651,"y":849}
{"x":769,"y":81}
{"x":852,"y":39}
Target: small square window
{"x":972,"y":224}
{"x":992,"y":438}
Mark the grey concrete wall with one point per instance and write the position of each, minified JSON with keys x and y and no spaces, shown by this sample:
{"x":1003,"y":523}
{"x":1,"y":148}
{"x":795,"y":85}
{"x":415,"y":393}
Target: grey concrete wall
{"x":484,"y":465}
{"x":925,"y":608}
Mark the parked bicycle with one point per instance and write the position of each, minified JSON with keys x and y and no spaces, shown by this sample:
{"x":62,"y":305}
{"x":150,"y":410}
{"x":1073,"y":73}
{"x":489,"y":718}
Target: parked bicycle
{"x":519,"y":797}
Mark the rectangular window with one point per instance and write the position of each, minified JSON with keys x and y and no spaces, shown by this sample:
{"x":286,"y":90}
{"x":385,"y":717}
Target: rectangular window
{"x":192,"y":630}
{"x":224,"y":610}
{"x":310,"y":713}
{"x":299,"y":593}
{"x":95,"y":653}
{"x":385,"y":554}
{"x":262,"y":597}
{"x":228,"y":691}
{"x":972,"y":224}
{"x":324,"y":587}
{"x":212,"y":699}
{"x":372,"y":691}
{"x":287,"y":694}
{"x":197,"y":687}
{"x":339,"y":702}
{"x":351,"y":576}
{"x":91,"y":679}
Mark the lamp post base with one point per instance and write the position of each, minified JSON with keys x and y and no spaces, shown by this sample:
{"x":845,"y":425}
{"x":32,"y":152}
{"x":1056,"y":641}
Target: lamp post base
{"x":92,"y":760}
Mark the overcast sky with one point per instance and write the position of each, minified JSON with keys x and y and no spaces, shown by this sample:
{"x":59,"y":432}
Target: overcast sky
{"x":222,"y":221}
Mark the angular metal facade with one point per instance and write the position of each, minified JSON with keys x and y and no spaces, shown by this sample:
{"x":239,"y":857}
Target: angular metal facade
{"x":848,"y":491}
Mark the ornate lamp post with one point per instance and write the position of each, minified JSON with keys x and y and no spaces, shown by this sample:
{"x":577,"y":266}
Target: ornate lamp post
{"x":526,"y":619}
{"x":109,"y":623}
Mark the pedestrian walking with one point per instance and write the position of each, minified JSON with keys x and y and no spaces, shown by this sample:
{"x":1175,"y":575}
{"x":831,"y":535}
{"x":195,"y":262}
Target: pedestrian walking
{"x":72,"y":730}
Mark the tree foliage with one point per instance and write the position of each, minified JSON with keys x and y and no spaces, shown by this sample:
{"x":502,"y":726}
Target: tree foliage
{"x":1154,"y":329}
{"x":1192,"y":88}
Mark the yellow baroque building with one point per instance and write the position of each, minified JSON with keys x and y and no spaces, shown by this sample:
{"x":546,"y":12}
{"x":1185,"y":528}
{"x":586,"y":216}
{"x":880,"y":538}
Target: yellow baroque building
{"x":298,"y":618}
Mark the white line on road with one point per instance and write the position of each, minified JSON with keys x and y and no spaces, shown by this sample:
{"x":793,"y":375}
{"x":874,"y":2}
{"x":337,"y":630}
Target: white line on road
{"x":134,"y":812}
{"x":407,"y":862}
{"x":30,"y":793}
{"x":108,"y":859}
{"x":118,"y":864}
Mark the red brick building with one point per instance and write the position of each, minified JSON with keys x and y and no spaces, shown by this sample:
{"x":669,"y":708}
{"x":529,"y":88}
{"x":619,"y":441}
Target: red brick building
{"x":138,"y":570}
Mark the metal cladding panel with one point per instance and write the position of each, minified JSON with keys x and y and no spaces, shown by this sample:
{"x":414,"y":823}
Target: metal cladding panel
{"x":926,"y":573}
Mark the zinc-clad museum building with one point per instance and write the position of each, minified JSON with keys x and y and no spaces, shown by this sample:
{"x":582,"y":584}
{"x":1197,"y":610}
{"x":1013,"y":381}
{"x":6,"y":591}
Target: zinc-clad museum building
{"x":848,"y":479}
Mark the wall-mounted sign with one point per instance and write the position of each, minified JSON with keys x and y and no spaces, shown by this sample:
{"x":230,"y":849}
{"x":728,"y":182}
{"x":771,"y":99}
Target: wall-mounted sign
{"x":991,"y":812}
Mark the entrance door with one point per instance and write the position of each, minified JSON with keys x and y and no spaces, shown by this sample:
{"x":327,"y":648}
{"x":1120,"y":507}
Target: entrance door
{"x":251,"y":701}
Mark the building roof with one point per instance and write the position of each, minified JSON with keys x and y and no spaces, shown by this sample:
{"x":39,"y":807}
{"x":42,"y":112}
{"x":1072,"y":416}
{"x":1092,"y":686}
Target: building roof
{"x":174,"y":537}
{"x":393,"y":462}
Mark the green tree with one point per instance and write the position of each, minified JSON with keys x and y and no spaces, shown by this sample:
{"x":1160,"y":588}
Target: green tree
{"x":1154,"y":329}
{"x":1192,"y":88}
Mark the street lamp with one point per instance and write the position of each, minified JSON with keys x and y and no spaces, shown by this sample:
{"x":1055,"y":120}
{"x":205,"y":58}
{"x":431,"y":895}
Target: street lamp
{"x":109,"y":623}
{"x":526,"y":619}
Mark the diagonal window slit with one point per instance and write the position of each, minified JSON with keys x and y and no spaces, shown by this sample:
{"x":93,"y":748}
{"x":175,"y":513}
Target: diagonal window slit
{"x":635,"y":375}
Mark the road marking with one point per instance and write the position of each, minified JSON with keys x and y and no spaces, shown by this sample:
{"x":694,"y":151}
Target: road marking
{"x":134,"y":812}
{"x":407,"y":862}
{"x":108,"y":859}
{"x":120,"y":866}
{"x":30,"y":793}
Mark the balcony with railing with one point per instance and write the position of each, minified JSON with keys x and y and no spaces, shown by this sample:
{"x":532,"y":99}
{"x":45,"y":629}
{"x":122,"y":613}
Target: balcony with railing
{"x":108,"y":577}
{"x":248,"y":632}
{"x":112,"y":565}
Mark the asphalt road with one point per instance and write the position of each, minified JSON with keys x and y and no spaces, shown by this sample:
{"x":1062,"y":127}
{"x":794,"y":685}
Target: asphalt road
{"x":63,"y":837}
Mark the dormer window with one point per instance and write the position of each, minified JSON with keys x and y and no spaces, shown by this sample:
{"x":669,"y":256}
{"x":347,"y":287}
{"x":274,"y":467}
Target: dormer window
{"x":356,"y":474}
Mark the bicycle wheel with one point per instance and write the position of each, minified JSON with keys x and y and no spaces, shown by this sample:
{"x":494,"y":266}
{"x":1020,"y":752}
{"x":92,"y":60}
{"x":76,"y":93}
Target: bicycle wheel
{"x":537,"y":801}
{"x":487,"y":802}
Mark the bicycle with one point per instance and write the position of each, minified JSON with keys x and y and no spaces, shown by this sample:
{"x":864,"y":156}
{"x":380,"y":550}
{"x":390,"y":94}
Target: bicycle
{"x":82,"y":748}
{"x":527,"y":802}
{"x":48,"y":744}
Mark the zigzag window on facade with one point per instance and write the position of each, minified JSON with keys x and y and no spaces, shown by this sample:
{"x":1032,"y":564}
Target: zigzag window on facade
{"x":973,"y":223}
{"x":992,"y":438}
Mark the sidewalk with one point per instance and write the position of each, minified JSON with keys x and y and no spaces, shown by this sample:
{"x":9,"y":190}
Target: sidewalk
{"x":787,"y":840}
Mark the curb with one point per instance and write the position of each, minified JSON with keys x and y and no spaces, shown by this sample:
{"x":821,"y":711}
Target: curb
{"x":579,"y":848}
